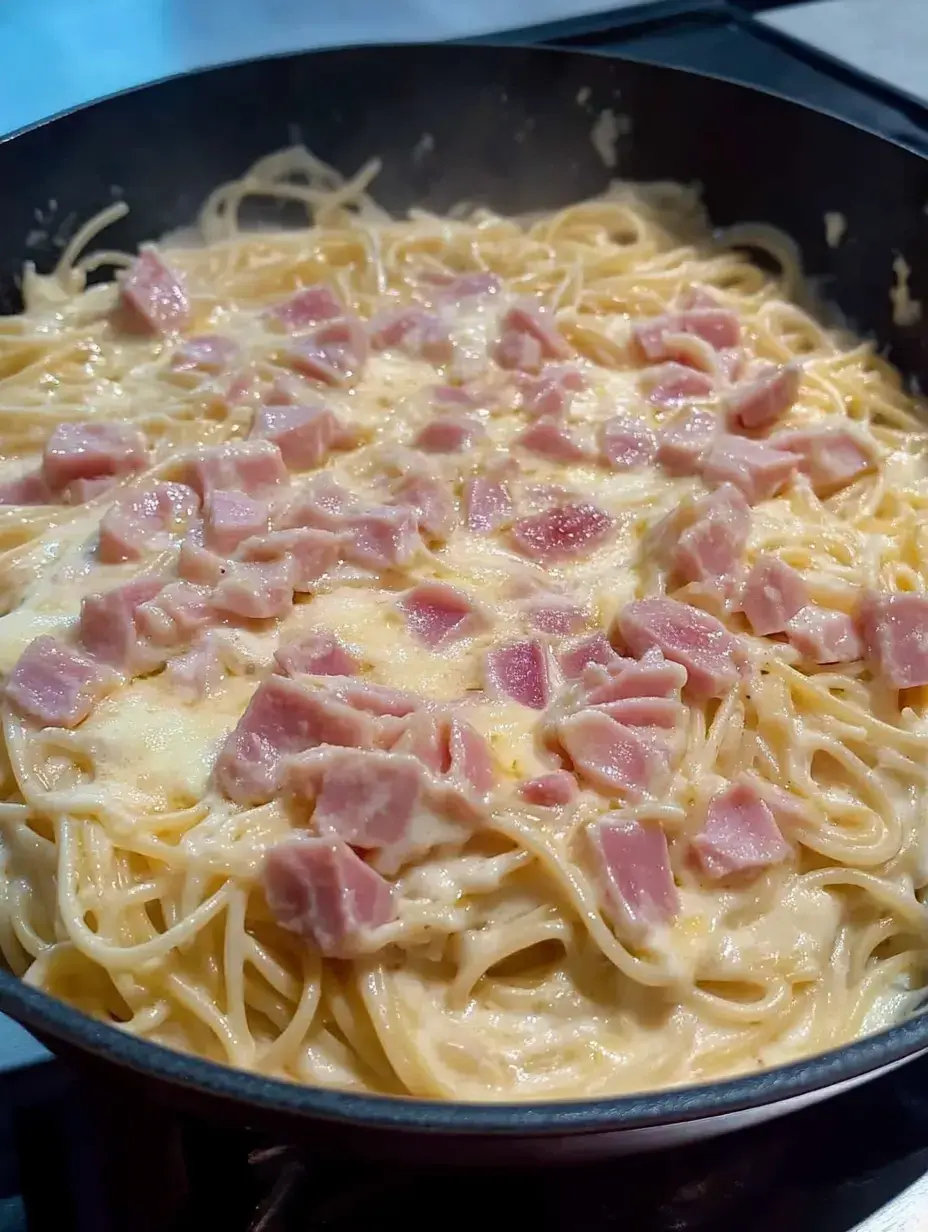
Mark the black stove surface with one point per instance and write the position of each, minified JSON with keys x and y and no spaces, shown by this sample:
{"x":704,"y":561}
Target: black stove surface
{"x":74,"y":1159}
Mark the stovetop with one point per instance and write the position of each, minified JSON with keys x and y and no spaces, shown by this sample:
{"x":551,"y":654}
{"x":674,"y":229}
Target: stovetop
{"x":74,"y":1159}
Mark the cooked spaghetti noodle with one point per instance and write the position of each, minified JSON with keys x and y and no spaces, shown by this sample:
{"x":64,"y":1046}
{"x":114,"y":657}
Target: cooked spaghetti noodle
{"x":131,"y":887}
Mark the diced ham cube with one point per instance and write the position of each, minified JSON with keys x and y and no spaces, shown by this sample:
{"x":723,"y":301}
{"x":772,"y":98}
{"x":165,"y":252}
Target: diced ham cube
{"x":550,"y":790}
{"x":549,"y":440}
{"x":625,"y":443}
{"x":334,"y":353}
{"x":320,"y":503}
{"x":382,"y":538}
{"x":773,"y":594}
{"x":651,"y":676}
{"x":672,"y":383}
{"x":652,"y":717}
{"x":432,"y":502}
{"x":458,"y":288}
{"x":198,"y":564}
{"x":92,"y":450}
{"x":551,"y":614}
{"x":145,"y":522}
{"x":549,"y":394}
{"x":256,"y":591}
{"x":420,"y":334}
{"x":488,"y":504}
{"x":527,"y":339}
{"x":231,"y":517}
{"x":437,"y":614}
{"x":633,"y":871}
{"x":580,"y":654}
{"x":303,"y":434}
{"x":710,"y":549}
{"x":197,"y":673}
{"x":682,"y":445}
{"x":756,"y":467}
{"x":789,"y":811}
{"x":80,"y":491}
{"x":366,"y":798}
{"x":377,"y":698}
{"x":210,"y":353}
{"x":656,"y":339}
{"x":830,"y":457}
{"x":283,"y":718}
{"x":320,"y":889}
{"x":152,"y":297}
{"x":764,"y":399}
{"x":55,"y":685}
{"x":175,"y":614}
{"x":739,"y":835}
{"x":612,"y":758}
{"x":449,"y":434}
{"x":310,"y":306}
{"x":469,"y":758}
{"x":697,"y":641}
{"x":520,"y":671}
{"x":253,"y":467}
{"x":318,"y":653}
{"x":312,"y":553}
{"x":107,"y":624}
{"x":424,"y":736}
{"x":824,"y":636}
{"x":895,"y":631}
{"x":30,"y":489}
{"x":563,"y":532}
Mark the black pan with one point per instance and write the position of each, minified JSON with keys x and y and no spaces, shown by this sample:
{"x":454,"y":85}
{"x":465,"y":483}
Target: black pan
{"x":511,"y":128}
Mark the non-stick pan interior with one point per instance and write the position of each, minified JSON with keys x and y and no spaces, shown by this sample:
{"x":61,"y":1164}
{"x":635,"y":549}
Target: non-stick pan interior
{"x":518,"y":130}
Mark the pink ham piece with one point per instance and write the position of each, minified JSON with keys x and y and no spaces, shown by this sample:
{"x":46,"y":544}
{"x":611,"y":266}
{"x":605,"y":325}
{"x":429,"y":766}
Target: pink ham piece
{"x":366,"y":798}
{"x":318,"y":653}
{"x":830,"y":457}
{"x":672,"y":383}
{"x":625,"y":443}
{"x":652,"y":717}
{"x":526,"y":340}
{"x":455,"y":289}
{"x":231,"y":517}
{"x":30,"y":489}
{"x":420,"y":334}
{"x":756,"y":467}
{"x":449,"y":434}
{"x":175,"y":614}
{"x":682,"y":445}
{"x":739,"y":835}
{"x":305,"y":435}
{"x":281,"y":719}
{"x":469,"y":759}
{"x":773,"y":594}
{"x":322,"y":890}
{"x":376,"y":698}
{"x":519,"y":671}
{"x":381,"y":538}
{"x":334,"y":353}
{"x":209,"y":353}
{"x":549,"y":440}
{"x":108,"y":627}
{"x":573,"y":659}
{"x":308,"y":307}
{"x":651,"y":676}
{"x":90,"y":451}
{"x":824,"y":636}
{"x":152,"y":297}
{"x":437,"y":614}
{"x":563,"y":532}
{"x":312,"y":553}
{"x":80,"y":491}
{"x":713,"y":658}
{"x":895,"y":632}
{"x":549,"y":393}
{"x":146,"y":522}
{"x":423,"y":735}
{"x":632,"y":866}
{"x":253,"y":467}
{"x":710,"y":549}
{"x":432,"y":503}
{"x":197,"y":673}
{"x":764,"y":399}
{"x":256,"y":591}
{"x":488,"y":504}
{"x":198,"y":564}
{"x":55,"y":685}
{"x":320,"y":503}
{"x":554,"y":615}
{"x":552,"y":790}
{"x":656,"y":339}
{"x":612,"y":758}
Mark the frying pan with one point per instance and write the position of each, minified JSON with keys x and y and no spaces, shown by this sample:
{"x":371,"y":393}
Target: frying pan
{"x":510,"y":128}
